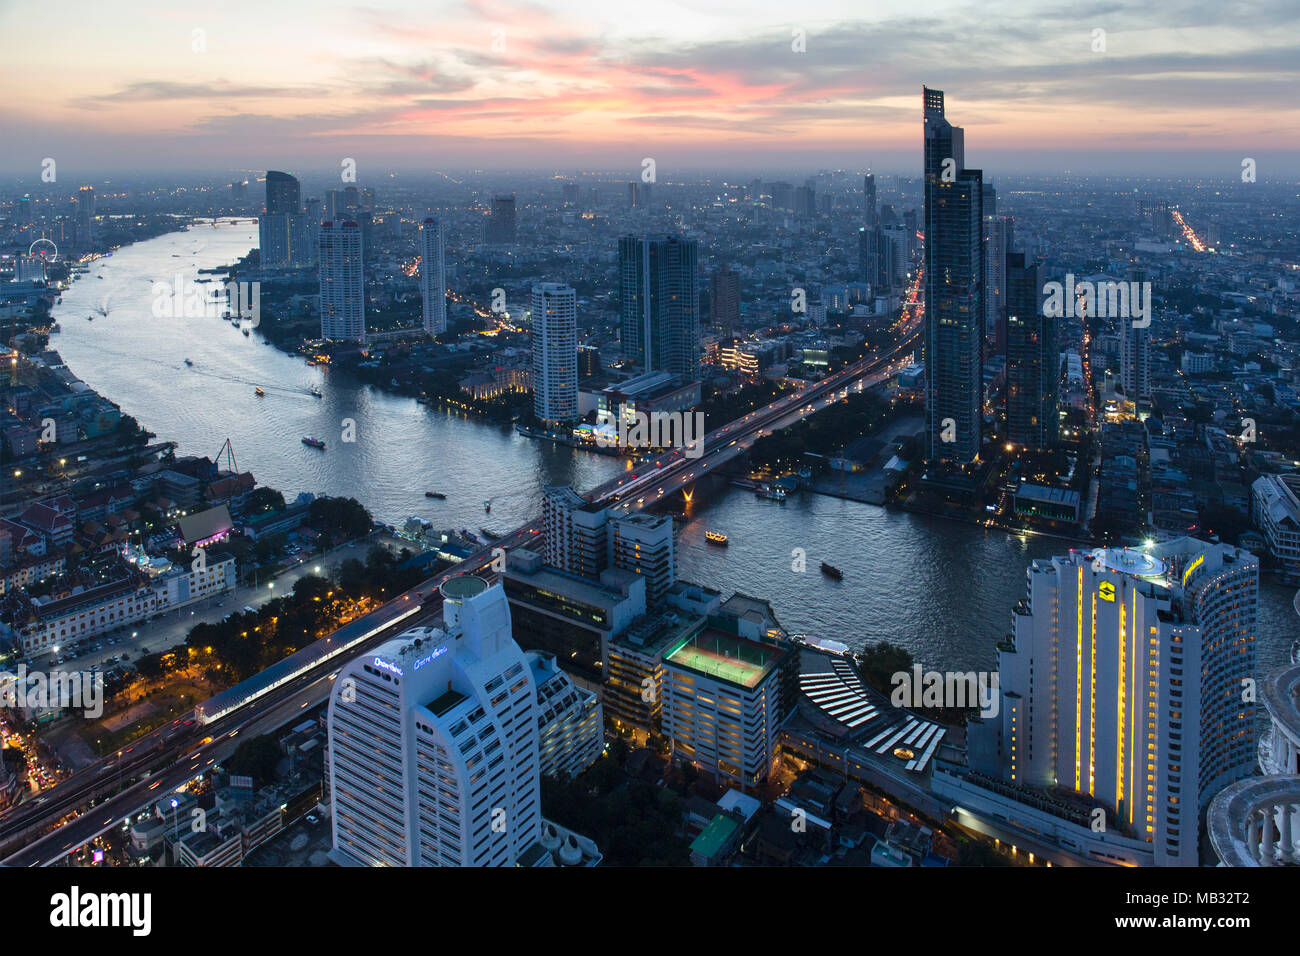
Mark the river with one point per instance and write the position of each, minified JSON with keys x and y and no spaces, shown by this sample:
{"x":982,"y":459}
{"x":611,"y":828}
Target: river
{"x":940,"y":588}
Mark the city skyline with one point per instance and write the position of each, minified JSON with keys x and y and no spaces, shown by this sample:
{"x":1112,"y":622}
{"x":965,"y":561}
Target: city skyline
{"x":410,"y":87}
{"x":496,"y":433}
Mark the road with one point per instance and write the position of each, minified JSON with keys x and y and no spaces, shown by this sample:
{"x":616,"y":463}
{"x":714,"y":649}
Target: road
{"x":185,"y":748}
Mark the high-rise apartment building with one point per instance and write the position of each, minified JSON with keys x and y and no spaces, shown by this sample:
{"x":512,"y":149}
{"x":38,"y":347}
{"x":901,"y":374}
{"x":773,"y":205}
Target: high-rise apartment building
{"x":954,"y":290}
{"x":434,"y":744}
{"x":724,"y":301}
{"x":1123,"y":680}
{"x":1033,"y":360}
{"x":870,"y":214}
{"x":85,"y":214}
{"x":287,"y":241}
{"x":283,"y":194}
{"x":997,"y":244}
{"x":433,"y":277}
{"x":1135,"y":347}
{"x":342,"y":282}
{"x":501,"y":226}
{"x":585,"y":539}
{"x":284,"y":235}
{"x":575,"y":532}
{"x":643,"y":544}
{"x":659,"y":303}
{"x":555,"y":353}
{"x":891,"y":260}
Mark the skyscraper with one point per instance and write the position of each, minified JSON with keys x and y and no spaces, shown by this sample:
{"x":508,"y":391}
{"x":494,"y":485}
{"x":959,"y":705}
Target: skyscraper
{"x":659,"y":303}
{"x":724,"y":301}
{"x":434,"y":742}
{"x":805,"y":200}
{"x":433,"y":277}
{"x":555,"y":353}
{"x":997,"y":244}
{"x":1123,"y":680}
{"x":989,"y":196}
{"x":868,"y":240}
{"x":342,"y":285}
{"x":283,"y":234}
{"x":1135,"y":348}
{"x":283,"y":194}
{"x":85,"y":214}
{"x":500,"y":227}
{"x":954,"y":290}
{"x":1033,"y":360}
{"x":287,"y":240}
{"x":891,"y":259}
{"x":870,"y":214}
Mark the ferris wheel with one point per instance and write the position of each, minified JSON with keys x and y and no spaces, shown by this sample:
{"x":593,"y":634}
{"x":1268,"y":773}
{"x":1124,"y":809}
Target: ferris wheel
{"x":45,"y":248}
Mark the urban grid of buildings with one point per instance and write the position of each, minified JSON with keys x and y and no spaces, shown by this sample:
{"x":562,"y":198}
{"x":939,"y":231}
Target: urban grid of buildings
{"x":1125,"y":727}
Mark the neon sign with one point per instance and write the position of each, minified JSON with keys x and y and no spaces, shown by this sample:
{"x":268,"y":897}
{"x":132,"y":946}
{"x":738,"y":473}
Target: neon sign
{"x":438,"y":652}
{"x":391,"y":668}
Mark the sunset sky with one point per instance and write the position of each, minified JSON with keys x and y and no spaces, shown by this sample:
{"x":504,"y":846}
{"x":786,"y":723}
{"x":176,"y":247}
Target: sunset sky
{"x":1183,"y":86}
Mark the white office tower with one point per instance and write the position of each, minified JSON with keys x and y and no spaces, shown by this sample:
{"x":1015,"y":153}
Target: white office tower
{"x":1124,"y":680}
{"x":342,"y":282}
{"x":433,"y":277}
{"x":570,"y":717}
{"x":555,"y":352}
{"x":434,"y":743}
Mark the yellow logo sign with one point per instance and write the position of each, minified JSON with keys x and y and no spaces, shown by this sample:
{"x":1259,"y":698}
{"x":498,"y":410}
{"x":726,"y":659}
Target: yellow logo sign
{"x":1107,"y":591}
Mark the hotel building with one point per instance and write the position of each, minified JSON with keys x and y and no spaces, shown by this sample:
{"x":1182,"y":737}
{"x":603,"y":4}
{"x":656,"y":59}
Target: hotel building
{"x":570,"y":717}
{"x":434,"y":745}
{"x":1123,"y":682}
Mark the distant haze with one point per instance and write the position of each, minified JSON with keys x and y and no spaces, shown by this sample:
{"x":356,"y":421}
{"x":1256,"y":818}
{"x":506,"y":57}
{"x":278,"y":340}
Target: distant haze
{"x":1184,"y":88}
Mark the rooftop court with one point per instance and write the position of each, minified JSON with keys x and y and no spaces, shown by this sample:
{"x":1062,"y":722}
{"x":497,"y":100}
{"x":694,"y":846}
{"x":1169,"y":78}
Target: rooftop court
{"x":717,"y":654}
